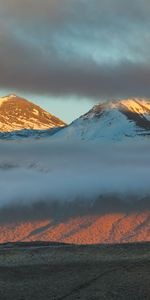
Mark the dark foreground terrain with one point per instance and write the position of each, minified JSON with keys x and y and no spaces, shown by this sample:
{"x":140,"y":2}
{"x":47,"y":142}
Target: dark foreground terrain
{"x":55,"y":271}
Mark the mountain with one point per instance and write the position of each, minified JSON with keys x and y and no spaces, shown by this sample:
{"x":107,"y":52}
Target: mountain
{"x":94,"y":229}
{"x":109,"y":121}
{"x":116,"y":120}
{"x":17,"y":114}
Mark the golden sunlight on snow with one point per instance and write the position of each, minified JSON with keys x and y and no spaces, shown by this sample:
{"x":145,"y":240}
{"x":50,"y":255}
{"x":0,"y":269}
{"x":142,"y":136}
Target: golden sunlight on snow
{"x":140,"y":106}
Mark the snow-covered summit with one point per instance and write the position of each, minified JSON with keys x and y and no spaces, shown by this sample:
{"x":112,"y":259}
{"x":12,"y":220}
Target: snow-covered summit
{"x":17,"y":113}
{"x":115,"y":120}
{"x":7,"y":98}
{"x":135,"y":105}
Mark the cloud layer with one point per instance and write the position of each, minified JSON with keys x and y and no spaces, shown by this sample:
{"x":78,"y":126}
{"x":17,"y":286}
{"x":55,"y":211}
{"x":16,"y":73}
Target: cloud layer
{"x":50,"y":179}
{"x":95,"y":49}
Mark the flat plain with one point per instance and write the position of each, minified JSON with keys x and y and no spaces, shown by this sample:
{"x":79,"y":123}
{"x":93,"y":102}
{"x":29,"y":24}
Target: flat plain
{"x":54,"y":271}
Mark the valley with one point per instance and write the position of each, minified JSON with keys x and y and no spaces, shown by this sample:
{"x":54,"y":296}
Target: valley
{"x":52,"y":271}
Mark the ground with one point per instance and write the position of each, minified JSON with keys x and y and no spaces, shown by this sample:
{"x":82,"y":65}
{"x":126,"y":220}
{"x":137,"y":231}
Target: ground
{"x":57,"y":272}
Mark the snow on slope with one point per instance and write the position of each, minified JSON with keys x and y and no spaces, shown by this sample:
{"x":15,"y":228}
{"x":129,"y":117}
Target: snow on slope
{"x":140,"y":106}
{"x":18,"y":114}
{"x":115,"y":121}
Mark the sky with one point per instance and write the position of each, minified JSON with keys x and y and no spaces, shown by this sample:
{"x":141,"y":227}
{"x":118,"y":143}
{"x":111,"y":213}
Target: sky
{"x":67,"y":55}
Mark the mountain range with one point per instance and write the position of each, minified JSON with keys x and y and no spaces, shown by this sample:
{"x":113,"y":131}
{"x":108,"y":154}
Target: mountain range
{"x":114,"y":121}
{"x":108,"y":121}
{"x":108,"y":228}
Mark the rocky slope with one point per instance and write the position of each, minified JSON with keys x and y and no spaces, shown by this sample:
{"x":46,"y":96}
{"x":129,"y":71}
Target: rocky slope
{"x":108,"y":228}
{"x":18,"y":114}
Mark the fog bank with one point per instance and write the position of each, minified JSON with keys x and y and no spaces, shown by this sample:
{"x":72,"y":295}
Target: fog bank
{"x":35,"y":175}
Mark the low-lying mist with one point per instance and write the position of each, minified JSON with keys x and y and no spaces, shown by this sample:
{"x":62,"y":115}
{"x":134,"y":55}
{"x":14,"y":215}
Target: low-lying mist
{"x":45,"y":178}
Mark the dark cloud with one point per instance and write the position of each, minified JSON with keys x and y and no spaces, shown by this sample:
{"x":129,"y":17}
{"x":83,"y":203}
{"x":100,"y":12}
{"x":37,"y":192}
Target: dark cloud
{"x":84,"y":48}
{"x":60,"y":211}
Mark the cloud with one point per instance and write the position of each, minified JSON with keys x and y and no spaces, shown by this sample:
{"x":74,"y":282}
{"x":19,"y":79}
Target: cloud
{"x":97,"y":49}
{"x":45,"y":179}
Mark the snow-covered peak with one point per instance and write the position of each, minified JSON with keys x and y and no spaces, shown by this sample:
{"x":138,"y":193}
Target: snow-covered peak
{"x":17,"y":113}
{"x":10,"y":96}
{"x":134,"y":105}
{"x":6,"y":98}
{"x":114,"y":120}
